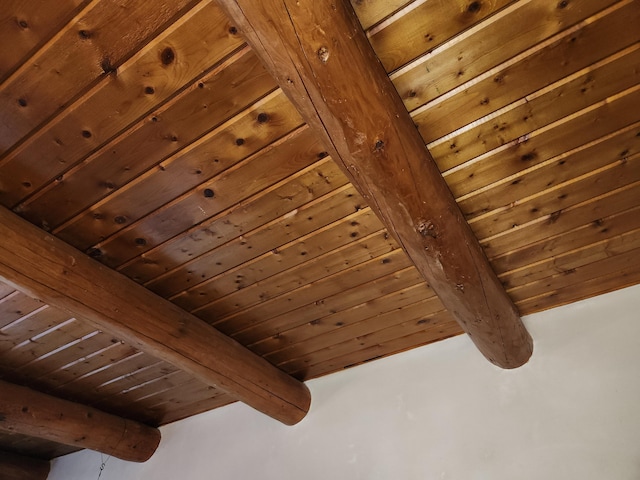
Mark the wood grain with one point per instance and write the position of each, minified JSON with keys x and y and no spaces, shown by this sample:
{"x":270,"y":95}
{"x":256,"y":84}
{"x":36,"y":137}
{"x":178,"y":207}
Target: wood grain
{"x":373,"y":137}
{"x":28,"y":412}
{"x":31,"y":258}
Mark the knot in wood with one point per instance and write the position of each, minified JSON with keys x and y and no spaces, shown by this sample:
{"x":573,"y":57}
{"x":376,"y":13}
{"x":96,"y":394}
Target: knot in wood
{"x":323,"y":54}
{"x":426,"y":229}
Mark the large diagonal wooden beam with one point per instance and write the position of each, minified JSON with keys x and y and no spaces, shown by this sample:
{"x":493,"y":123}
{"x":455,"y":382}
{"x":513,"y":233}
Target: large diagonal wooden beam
{"x":46,"y":268}
{"x":320,"y":56}
{"x":28,"y":412}
{"x":17,"y":467}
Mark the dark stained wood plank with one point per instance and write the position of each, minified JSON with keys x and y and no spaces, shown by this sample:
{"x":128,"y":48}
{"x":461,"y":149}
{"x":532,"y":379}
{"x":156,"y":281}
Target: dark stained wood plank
{"x":385,"y":342}
{"x":355,"y":253}
{"x":573,"y":50}
{"x":561,"y":221}
{"x":162,"y":108}
{"x":327,"y":209}
{"x":29,"y":412}
{"x":565,"y":97}
{"x":379,"y":150}
{"x":212,"y":165}
{"x":15,"y":306}
{"x":334,"y":344}
{"x":371,"y":12}
{"x":88,"y":48}
{"x":308,"y":294}
{"x":550,"y":173}
{"x":318,"y":179}
{"x":17,"y":467}
{"x":304,"y":249}
{"x":5,"y":290}
{"x":424,"y":26}
{"x":189,"y":409}
{"x":625,"y":277}
{"x":518,"y":261}
{"x":585,"y":187}
{"x":314,"y":336}
{"x":48,"y":268}
{"x":34,"y":356}
{"x":33,"y":447}
{"x":585,"y":126}
{"x":520,"y":26}
{"x":28,"y":25}
{"x":320,"y":312}
{"x":567,"y":263}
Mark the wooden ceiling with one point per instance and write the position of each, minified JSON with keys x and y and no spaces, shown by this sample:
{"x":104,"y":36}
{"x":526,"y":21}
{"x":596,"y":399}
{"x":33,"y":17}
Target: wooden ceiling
{"x":149,"y":136}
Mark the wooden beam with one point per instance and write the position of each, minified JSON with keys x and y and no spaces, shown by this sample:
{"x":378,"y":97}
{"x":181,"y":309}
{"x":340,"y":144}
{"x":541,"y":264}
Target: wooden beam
{"x":320,"y":56}
{"x":18,"y":467}
{"x":36,"y":414}
{"x":46,"y":268}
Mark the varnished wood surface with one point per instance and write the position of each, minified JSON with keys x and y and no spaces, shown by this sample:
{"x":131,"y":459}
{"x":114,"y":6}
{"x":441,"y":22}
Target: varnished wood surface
{"x":28,"y":412}
{"x":319,"y":55}
{"x":18,"y":467}
{"x":529,"y":108}
{"x":46,"y":267}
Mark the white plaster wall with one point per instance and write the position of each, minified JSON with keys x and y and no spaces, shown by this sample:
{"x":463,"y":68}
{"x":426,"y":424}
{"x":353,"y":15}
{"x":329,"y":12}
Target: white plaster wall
{"x":437,"y":412}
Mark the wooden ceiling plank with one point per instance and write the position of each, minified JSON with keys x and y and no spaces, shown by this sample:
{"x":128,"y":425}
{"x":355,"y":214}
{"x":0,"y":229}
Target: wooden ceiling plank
{"x":161,"y":135}
{"x":440,"y":327}
{"x":336,"y":303}
{"x":118,"y":386}
{"x":156,"y":387}
{"x":190,"y":392}
{"x":34,"y":447}
{"x":15,"y":306}
{"x":101,"y":346}
{"x":308,"y":294}
{"x":334,"y":261}
{"x":515,"y":29}
{"x":602,"y":119}
{"x":122,"y":362}
{"x":166,"y":248}
{"x":310,"y":338}
{"x":92,"y":366}
{"x":626,"y":255}
{"x":308,"y":218}
{"x":596,"y":231}
{"x":584,"y":288}
{"x":382,"y":154}
{"x":42,"y":342}
{"x":17,"y":334}
{"x":179,"y":239}
{"x":409,"y":36}
{"x":5,"y":291}
{"x":370,"y":12}
{"x":45,"y":267}
{"x":563,"y":221}
{"x":26,"y":26}
{"x":297,"y":252}
{"x":57,"y":357}
{"x":572,"y":50}
{"x":184,"y":411}
{"x":33,"y":413}
{"x":409,"y":287}
{"x":18,"y":467}
{"x":553,"y":172}
{"x":610,"y":177}
{"x":362,"y":335}
{"x":589,"y":86}
{"x":196,"y":166}
{"x":567,"y":263}
{"x":86,"y":46}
